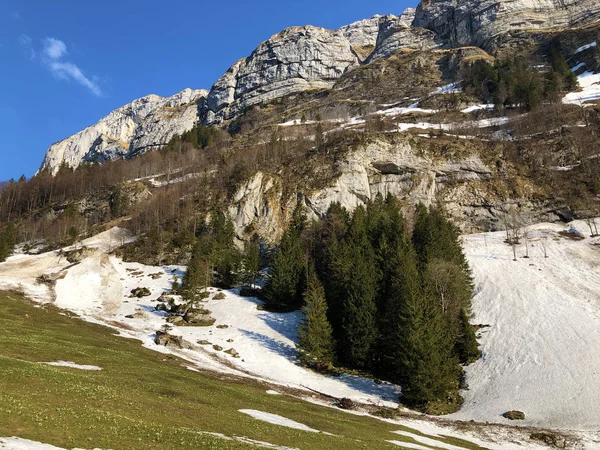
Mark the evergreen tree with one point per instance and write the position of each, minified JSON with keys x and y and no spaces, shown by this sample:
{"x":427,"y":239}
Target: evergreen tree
{"x":198,"y":275}
{"x":466,"y":346}
{"x":444,"y":269}
{"x":222,"y":254}
{"x":7,"y":242}
{"x":402,"y":286}
{"x":568,"y":79}
{"x":286,"y":281}
{"x":428,"y":370}
{"x":316,"y":340}
{"x":356,"y":276}
{"x":251,"y":260}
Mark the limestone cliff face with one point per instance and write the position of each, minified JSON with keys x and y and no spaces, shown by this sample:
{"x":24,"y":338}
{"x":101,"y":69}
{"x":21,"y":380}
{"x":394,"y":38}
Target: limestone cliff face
{"x":379,"y":168}
{"x":303,"y":58}
{"x":144,"y":123}
{"x":478,"y":22}
{"x":397,"y":32}
{"x":295,"y":60}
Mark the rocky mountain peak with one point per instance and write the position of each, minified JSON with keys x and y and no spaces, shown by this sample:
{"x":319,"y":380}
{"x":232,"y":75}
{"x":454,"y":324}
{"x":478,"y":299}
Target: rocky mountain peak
{"x":299,"y":59}
{"x":364,"y":32}
{"x":129,"y":129}
{"x":294,"y":60}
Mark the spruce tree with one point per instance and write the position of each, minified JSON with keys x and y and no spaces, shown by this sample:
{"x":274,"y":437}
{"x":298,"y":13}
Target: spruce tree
{"x":224,"y":256}
{"x":428,"y":370}
{"x":315,"y":333}
{"x":405,"y":287}
{"x":466,"y":346}
{"x":7,"y":242}
{"x":198,"y":275}
{"x":251,"y":260}
{"x":357,"y":276}
{"x":286,"y":280}
{"x":326,"y":249}
{"x":443,"y":266}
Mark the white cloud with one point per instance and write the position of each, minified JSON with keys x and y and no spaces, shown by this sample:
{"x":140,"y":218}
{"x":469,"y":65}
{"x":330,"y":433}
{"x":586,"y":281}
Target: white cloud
{"x":54,"y":52}
{"x":69,"y":71}
{"x":25,"y":42}
{"x":54,"y":48}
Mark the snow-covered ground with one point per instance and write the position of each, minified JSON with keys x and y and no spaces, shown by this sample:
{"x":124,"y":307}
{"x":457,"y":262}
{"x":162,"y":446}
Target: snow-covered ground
{"x":585,"y":47}
{"x":72,"y":365}
{"x":15,"y":443}
{"x":590,"y":89}
{"x":540,"y":346}
{"x":99,"y":288}
{"x":277,"y":420}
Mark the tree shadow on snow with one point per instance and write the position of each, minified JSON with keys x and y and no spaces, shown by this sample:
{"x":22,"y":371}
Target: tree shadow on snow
{"x":280,"y":348}
{"x":285,"y":324}
{"x":152,"y":310}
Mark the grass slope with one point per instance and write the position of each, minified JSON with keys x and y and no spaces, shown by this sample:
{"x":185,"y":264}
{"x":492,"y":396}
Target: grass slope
{"x":145,"y":400}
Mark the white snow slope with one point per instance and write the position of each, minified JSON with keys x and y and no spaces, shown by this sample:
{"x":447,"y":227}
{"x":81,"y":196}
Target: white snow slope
{"x":541,"y":352}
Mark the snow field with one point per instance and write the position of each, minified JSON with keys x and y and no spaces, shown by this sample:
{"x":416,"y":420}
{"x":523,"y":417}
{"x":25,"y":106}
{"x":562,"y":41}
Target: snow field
{"x":277,"y":420}
{"x":590,"y":89}
{"x":72,"y":365}
{"x":542,"y":329}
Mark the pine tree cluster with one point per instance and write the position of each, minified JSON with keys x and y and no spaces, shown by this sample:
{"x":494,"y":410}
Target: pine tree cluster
{"x":215,"y":260}
{"x":516,"y":82}
{"x":380,"y":299}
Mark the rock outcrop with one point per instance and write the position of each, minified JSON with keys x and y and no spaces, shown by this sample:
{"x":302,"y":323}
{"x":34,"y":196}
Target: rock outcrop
{"x":479,"y":22}
{"x":397,"y":32}
{"x":364,"y":32}
{"x":144,"y":123}
{"x":303,"y":58}
{"x":380,"y":168}
{"x":295,"y":60}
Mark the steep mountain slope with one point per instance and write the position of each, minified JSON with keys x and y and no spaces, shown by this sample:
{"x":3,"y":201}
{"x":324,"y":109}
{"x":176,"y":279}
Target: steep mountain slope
{"x":147,"y":122}
{"x":305,"y":59}
{"x":538,"y":341}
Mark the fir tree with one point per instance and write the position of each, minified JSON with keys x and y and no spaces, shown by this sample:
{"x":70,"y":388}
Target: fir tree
{"x":251,"y":260}
{"x":402,"y":286}
{"x":286,"y":281}
{"x":466,"y":347}
{"x":356,"y":274}
{"x":7,"y":242}
{"x":223,"y":256}
{"x":198,"y":275}
{"x":428,"y":369}
{"x":443,"y":266}
{"x":316,"y":340}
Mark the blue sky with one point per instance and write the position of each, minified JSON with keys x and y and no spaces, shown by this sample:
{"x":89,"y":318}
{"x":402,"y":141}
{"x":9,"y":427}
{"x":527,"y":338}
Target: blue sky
{"x":68,"y":63}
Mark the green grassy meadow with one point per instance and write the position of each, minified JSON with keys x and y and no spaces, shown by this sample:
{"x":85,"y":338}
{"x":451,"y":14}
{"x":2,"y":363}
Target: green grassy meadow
{"x":143,"y":399}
